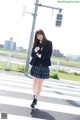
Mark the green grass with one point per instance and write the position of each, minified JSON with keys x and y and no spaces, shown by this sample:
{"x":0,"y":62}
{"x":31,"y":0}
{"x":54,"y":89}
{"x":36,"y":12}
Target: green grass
{"x":66,"y":62}
{"x":54,"y":75}
{"x":61,"y":74}
{"x":2,"y":65}
{"x":69,"y":76}
{"x":12,"y":67}
{"x":66,"y":75}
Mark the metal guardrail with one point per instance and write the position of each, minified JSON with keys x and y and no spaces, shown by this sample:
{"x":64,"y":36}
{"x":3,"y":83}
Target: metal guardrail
{"x":13,"y":55}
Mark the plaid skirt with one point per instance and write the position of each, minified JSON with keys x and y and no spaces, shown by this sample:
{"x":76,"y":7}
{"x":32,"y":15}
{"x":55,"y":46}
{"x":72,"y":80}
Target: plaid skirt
{"x":40,"y":71}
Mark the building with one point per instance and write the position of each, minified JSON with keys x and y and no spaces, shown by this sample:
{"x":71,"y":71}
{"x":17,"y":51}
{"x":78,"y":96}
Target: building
{"x":1,"y":45}
{"x":9,"y":44}
{"x":57,"y":53}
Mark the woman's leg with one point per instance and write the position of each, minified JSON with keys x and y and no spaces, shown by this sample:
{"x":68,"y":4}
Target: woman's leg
{"x":38,"y":87}
{"x":34,"y":85}
{"x":34,"y":102}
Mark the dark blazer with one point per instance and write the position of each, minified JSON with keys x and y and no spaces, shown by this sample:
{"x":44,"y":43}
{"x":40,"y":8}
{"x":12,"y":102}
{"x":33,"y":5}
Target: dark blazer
{"x":45,"y":52}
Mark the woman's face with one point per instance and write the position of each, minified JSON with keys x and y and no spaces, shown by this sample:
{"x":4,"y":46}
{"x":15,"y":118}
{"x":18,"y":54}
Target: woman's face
{"x":40,"y":37}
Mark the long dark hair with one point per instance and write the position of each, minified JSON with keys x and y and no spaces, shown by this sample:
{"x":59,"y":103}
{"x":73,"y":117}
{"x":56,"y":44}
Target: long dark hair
{"x":35,"y":37}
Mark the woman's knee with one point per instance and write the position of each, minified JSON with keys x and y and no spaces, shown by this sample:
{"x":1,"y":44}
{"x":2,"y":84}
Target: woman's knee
{"x":35,"y":80}
{"x":40,"y":81}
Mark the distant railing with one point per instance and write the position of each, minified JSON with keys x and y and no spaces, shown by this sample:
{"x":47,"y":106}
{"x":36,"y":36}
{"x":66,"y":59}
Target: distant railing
{"x":13,"y":55}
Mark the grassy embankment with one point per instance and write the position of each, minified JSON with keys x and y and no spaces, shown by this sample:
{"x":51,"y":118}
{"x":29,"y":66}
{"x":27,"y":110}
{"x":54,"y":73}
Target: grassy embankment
{"x":21,"y":68}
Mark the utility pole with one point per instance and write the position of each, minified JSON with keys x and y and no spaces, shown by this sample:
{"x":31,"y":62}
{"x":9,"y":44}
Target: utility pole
{"x":31,"y":37}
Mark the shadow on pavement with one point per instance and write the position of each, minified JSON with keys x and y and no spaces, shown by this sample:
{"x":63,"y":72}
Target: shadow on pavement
{"x":36,"y":113}
{"x":73,"y":103}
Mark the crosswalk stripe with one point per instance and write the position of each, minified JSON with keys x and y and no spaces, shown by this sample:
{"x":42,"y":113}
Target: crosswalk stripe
{"x":44,"y":86}
{"x":17,"y":117}
{"x":11,"y":77}
{"x":46,"y":94}
{"x":41,"y":105}
{"x":24,"y":78}
{"x":52,"y":87}
{"x":30,"y":86}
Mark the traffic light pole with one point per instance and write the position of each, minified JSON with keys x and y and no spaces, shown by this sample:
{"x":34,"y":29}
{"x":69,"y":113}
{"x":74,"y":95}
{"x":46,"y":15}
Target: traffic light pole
{"x":56,"y":8}
{"x":32,"y":32}
{"x":31,"y":37}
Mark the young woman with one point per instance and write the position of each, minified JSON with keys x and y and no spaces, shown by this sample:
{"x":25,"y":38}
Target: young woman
{"x":41,"y":54}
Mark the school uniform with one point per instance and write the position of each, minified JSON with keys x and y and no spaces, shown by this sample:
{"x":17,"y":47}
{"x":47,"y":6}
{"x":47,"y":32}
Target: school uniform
{"x":40,"y":66}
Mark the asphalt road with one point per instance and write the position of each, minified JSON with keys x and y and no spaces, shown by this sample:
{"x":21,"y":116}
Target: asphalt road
{"x":59,"y":99}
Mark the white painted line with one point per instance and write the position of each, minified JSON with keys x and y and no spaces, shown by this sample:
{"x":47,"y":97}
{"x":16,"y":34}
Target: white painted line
{"x":17,"y":117}
{"x":41,"y":105}
{"x":62,"y":86}
{"x":16,"y":84}
{"x":70,"y":81}
{"x":29,"y":85}
{"x":29,"y":81}
{"x":66,"y":91}
{"x":26,"y":78}
{"x":46,"y":94}
{"x":14,"y":77}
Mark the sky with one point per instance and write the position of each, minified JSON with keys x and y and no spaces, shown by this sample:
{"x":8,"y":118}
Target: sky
{"x":65,"y":38}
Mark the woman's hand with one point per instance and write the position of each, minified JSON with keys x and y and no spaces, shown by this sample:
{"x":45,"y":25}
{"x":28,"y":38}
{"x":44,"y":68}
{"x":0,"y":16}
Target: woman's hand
{"x":36,"y":49}
{"x":38,"y":55}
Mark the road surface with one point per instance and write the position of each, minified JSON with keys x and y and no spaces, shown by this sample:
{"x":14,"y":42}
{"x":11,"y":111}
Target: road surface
{"x":59,"y":100}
